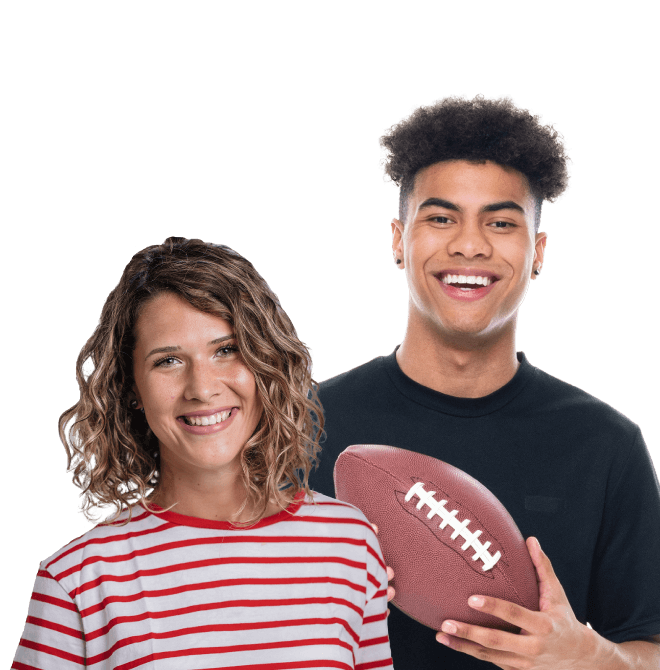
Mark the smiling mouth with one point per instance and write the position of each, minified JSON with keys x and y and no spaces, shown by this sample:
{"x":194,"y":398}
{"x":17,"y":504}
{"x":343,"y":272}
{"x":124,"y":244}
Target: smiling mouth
{"x":465,"y":282}
{"x":209,"y":420}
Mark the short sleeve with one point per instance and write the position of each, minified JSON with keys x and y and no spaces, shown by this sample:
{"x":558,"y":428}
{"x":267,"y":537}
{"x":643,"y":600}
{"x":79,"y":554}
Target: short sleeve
{"x":374,"y":649}
{"x":53,"y":633}
{"x":624,"y":593}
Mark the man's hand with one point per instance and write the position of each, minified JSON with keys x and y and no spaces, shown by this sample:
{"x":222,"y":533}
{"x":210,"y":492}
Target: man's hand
{"x":550,"y":639}
{"x":390,"y":576}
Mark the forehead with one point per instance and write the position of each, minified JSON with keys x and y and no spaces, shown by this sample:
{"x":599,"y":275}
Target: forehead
{"x":168,"y":316}
{"x":471,"y":184}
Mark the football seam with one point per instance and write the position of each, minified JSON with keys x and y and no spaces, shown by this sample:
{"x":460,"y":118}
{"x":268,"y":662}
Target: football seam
{"x":496,"y":568}
{"x":464,"y":538}
{"x":405,"y":484}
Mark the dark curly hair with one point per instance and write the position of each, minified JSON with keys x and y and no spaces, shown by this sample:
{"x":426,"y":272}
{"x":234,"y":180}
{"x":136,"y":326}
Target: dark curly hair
{"x":476,"y":130}
{"x":111,"y":449}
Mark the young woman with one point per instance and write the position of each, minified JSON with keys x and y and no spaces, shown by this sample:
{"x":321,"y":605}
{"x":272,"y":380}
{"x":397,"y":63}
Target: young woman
{"x":198,"y":422}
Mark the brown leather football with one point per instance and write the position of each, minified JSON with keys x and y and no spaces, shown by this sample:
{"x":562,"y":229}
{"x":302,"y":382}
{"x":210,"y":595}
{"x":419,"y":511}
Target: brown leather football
{"x":445,"y":535}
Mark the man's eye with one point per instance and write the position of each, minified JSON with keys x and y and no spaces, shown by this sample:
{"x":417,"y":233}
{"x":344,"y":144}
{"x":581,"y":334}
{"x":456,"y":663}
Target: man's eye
{"x":441,"y":219}
{"x":503,"y":224}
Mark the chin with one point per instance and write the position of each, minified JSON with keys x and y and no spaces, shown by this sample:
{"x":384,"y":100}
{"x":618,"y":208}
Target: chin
{"x":471,"y":333}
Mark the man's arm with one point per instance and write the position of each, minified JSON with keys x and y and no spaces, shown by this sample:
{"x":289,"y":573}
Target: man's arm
{"x":637,"y":654}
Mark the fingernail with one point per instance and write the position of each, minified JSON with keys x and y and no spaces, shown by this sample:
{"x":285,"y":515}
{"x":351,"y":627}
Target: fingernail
{"x":442,"y":639}
{"x":476,"y":601}
{"x":448,"y":627}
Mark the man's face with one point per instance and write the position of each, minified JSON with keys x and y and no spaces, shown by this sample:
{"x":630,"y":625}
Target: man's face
{"x":469,"y":249}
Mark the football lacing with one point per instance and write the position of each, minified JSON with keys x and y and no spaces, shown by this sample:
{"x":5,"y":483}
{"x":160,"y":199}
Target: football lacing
{"x":460,"y":527}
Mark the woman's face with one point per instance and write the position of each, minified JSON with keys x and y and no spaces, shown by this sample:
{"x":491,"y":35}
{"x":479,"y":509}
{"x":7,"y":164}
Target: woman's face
{"x":199,"y":397}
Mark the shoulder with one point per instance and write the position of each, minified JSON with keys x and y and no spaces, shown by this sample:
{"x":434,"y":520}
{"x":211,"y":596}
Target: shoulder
{"x":355,"y":380}
{"x":333,"y":510}
{"x":100,"y":543}
{"x":574,"y":404}
{"x":330,"y":507}
{"x":345,"y":522}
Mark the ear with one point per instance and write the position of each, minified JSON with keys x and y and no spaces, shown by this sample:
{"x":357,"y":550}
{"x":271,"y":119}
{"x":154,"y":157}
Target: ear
{"x":539,"y":252}
{"x":137,"y":397}
{"x":397,"y":242}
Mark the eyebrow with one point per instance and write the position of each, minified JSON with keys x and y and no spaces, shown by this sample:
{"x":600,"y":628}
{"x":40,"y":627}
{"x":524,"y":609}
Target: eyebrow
{"x":493,"y":207}
{"x":171,"y":349}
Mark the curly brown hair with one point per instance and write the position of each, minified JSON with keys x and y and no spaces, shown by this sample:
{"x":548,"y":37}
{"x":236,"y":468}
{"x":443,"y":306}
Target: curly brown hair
{"x":111,"y":449}
{"x":476,"y":130}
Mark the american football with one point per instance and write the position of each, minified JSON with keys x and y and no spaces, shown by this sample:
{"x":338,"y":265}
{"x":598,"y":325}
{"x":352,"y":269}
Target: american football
{"x":445,"y":535}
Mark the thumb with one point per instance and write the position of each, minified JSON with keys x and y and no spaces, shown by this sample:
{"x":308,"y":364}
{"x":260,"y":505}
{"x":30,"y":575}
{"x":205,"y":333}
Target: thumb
{"x":551,"y":592}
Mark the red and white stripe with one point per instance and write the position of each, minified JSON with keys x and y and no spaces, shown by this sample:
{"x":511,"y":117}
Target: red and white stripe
{"x":305,"y":588}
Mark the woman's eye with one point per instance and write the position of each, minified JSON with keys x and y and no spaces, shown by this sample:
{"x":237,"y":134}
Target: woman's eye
{"x":224,"y":352}
{"x":166,"y":362}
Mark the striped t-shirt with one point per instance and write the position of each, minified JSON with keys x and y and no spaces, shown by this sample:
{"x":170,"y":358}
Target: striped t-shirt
{"x":304,"y":588}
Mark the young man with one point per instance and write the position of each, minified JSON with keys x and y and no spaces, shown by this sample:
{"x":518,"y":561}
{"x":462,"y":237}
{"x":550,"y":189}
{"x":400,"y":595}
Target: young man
{"x":571,"y":471}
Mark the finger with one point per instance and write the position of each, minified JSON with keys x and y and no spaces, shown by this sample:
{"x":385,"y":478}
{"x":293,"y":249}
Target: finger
{"x":541,"y":562}
{"x":489,"y":638}
{"x":537,"y":554}
{"x":390,"y":589}
{"x":507,"y":611}
{"x":551,"y":591}
{"x":503,"y":659}
{"x":484,"y":637}
{"x":375,"y":527}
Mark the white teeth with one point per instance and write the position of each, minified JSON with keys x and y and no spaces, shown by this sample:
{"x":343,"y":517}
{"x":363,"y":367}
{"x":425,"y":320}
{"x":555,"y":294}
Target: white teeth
{"x":207,"y":420}
{"x":464,"y":279}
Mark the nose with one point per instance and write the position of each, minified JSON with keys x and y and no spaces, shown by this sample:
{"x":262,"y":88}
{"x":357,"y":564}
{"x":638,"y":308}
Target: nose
{"x":470,"y":241}
{"x":203,"y":381}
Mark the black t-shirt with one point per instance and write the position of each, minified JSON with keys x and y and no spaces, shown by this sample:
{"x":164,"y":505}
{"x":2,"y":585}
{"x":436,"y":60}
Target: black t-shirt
{"x":570,"y":470}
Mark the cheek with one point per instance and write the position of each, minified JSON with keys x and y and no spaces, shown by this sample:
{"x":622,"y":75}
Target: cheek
{"x":519,"y":253}
{"x":421,"y":253}
{"x":419,"y":245}
{"x":248,"y":386}
{"x":245,"y":386}
{"x":424,"y":247}
{"x":158,"y":394}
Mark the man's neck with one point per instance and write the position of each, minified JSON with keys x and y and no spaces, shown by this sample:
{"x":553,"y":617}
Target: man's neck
{"x":463,"y":369}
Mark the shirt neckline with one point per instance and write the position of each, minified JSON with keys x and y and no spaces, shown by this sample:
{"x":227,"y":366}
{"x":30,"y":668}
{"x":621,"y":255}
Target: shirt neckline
{"x":448,"y":404}
{"x":196,"y":522}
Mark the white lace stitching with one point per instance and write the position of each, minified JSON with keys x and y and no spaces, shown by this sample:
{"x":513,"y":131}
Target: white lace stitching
{"x":460,"y":528}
